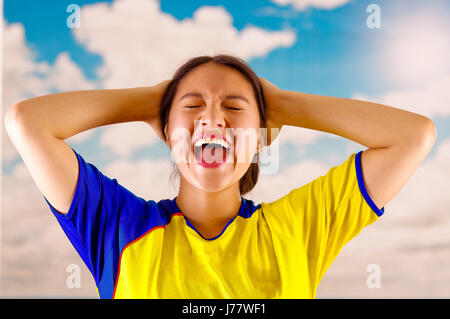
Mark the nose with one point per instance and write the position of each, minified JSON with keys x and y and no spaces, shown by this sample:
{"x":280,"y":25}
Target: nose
{"x":212,"y":117}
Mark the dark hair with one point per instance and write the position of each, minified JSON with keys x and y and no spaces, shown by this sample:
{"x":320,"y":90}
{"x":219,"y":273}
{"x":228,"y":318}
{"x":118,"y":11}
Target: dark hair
{"x":248,"y":181}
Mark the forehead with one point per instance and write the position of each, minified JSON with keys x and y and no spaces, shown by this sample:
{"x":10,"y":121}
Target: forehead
{"x":215,"y":80}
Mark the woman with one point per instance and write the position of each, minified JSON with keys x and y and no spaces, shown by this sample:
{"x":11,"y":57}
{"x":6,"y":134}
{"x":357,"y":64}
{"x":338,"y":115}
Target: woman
{"x":209,"y":241}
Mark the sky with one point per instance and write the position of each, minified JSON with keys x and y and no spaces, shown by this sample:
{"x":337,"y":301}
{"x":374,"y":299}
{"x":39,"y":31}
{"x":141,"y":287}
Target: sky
{"x":321,"y":47}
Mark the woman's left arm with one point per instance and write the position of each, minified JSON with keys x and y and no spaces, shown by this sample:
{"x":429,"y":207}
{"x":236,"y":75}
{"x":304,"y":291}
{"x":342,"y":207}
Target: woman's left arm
{"x":397,"y":140}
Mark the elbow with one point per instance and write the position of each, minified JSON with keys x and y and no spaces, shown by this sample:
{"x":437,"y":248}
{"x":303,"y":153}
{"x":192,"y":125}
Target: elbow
{"x":15,"y":120}
{"x":426,"y":134}
{"x":429,"y":133}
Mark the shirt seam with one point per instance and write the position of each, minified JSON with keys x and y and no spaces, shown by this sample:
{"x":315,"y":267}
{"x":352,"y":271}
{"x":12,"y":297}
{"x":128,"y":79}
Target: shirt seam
{"x":289,"y":237}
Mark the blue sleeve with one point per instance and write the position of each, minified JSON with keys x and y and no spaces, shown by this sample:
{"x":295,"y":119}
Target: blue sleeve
{"x":99,"y":207}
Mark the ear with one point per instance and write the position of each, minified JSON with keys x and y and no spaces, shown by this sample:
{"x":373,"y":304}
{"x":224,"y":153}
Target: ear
{"x":166,"y":133}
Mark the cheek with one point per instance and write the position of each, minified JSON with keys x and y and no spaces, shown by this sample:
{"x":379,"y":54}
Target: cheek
{"x":178,"y":119}
{"x":180,"y":133}
{"x":179,"y":122}
{"x":246,"y":142}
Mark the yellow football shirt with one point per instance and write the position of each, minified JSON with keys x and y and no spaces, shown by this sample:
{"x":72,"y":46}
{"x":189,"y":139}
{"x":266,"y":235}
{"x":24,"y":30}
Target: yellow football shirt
{"x":138,"y":248}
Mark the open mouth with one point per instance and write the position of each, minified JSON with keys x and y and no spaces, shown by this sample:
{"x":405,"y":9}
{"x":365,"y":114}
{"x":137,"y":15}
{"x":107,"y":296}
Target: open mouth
{"x":211,"y":152}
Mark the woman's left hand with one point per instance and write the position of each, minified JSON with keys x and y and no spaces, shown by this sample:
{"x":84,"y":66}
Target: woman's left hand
{"x":273,"y":115}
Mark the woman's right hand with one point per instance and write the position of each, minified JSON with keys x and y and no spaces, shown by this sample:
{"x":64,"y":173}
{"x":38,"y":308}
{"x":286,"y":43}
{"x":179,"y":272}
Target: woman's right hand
{"x":272,"y":99}
{"x":153,"y":119}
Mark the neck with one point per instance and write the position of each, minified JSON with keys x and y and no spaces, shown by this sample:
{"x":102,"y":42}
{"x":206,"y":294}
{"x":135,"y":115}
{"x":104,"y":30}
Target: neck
{"x":208,"y":211}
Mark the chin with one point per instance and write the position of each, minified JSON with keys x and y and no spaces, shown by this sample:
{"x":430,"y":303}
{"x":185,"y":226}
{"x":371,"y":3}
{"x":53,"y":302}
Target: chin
{"x":211,"y":180}
{"x":208,"y":179}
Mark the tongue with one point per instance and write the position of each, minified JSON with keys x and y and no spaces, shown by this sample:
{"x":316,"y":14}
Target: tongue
{"x":213,"y":154}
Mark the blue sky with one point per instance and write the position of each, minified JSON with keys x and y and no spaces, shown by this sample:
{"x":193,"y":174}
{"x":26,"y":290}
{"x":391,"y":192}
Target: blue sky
{"x":335,"y":53}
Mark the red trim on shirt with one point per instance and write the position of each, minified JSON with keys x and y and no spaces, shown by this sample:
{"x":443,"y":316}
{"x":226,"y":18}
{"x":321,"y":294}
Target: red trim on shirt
{"x":135,"y":240}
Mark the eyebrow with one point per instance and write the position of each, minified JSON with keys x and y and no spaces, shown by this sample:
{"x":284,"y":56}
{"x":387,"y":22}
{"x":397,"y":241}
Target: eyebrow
{"x":228,"y":97}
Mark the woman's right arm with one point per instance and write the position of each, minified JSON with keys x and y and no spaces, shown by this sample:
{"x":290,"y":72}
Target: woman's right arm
{"x":38,"y":127}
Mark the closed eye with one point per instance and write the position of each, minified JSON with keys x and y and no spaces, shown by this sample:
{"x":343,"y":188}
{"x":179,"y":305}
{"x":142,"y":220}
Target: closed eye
{"x":228,"y":107}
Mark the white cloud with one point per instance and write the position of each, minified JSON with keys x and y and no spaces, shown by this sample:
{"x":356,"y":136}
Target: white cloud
{"x":124,"y":138}
{"x":148,"y":179}
{"x":65,"y":75}
{"x":320,"y":4}
{"x":140,"y":45}
{"x":430,"y":100}
{"x":20,"y":71}
{"x":80,"y":137}
{"x":298,"y":138}
{"x":24,"y":78}
{"x":416,"y":50}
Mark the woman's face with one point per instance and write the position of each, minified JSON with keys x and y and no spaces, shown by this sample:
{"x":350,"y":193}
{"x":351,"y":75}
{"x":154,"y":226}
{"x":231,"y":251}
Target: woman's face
{"x":213,"y":101}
